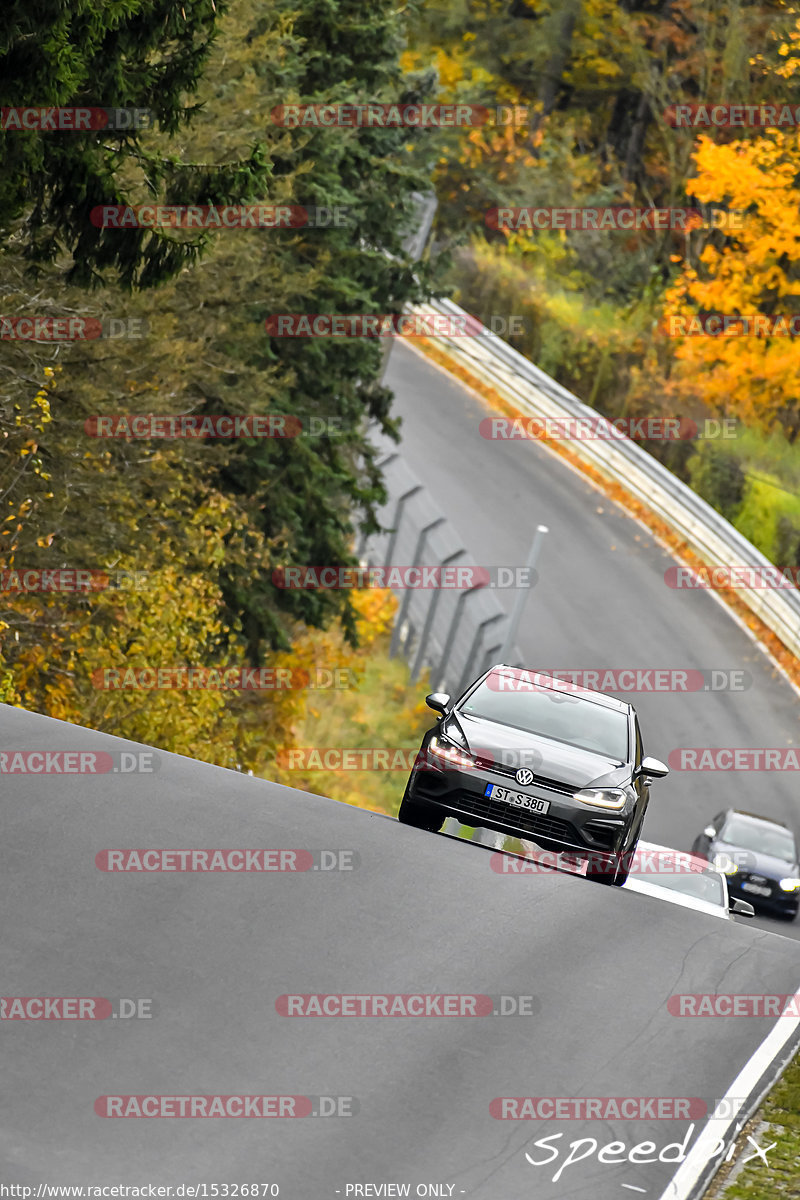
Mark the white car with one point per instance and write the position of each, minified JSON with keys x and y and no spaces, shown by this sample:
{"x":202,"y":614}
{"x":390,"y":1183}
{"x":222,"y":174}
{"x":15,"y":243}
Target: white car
{"x":694,"y":883}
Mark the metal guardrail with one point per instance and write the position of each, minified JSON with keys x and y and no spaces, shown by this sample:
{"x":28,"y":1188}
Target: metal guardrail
{"x":708,"y":534}
{"x":457,"y":633}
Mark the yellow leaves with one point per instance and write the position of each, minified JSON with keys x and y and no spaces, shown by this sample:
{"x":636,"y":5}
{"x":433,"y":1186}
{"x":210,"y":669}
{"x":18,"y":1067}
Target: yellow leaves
{"x":755,"y":378}
{"x":451,"y":67}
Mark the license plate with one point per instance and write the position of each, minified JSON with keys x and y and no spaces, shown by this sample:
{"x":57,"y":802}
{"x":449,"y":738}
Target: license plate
{"x":755,"y":889}
{"x":518,"y":799}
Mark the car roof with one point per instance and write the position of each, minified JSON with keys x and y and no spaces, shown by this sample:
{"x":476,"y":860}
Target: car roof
{"x":756,"y":818}
{"x":562,"y":685}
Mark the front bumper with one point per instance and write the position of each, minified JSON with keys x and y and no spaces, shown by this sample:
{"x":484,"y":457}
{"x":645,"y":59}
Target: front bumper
{"x":778,"y":901}
{"x":568,"y":824}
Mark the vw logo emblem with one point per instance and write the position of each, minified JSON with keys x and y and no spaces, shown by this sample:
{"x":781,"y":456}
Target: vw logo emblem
{"x":524,"y":776}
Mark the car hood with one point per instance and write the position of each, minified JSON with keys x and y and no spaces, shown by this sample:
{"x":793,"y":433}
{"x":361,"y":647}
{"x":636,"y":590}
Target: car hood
{"x":752,"y":860}
{"x":552,"y":760}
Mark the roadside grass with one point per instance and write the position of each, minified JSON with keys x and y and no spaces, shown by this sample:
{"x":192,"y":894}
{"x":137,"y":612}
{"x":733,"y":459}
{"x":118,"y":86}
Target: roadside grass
{"x":780,"y":1113}
{"x":383,"y":710}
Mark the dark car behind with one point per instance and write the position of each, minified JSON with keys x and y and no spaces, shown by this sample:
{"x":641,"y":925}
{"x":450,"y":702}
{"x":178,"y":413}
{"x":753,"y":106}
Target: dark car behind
{"x":759,"y":857}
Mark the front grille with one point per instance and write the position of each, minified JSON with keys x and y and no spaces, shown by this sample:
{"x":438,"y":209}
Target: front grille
{"x":481,"y":807}
{"x":550,"y":785}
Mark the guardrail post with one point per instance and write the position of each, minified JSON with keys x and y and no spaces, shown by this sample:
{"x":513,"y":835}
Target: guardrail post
{"x":491,"y":655}
{"x":362,"y":543}
{"x":401,"y":616}
{"x":451,"y":636}
{"x":522,"y":595}
{"x":395,"y":526}
{"x":430,"y":615}
{"x":473,"y":650}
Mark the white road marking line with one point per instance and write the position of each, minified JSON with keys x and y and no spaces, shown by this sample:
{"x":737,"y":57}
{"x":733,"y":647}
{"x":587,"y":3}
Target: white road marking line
{"x":744,"y":1084}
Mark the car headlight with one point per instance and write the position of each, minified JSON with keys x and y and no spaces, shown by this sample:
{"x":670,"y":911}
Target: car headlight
{"x":724,"y":863}
{"x":450,"y":753}
{"x":602,"y":797}
{"x":790,"y":885}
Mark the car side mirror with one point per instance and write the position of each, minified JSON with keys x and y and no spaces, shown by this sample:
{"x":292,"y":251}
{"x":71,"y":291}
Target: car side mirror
{"x":742,"y":908}
{"x":653,"y":768}
{"x":709,"y":831}
{"x":438,"y":701}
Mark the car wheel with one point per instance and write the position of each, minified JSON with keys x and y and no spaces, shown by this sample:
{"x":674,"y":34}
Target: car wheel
{"x":624,"y":868}
{"x":420,"y":816}
{"x":603,"y":872}
{"x":607,"y":873}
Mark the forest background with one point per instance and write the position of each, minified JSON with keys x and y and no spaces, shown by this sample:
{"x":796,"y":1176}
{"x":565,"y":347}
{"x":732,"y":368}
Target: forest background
{"x":192,"y":531}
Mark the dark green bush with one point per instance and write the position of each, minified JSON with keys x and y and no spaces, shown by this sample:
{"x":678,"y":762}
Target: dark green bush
{"x":787,"y":543}
{"x":719,"y":478}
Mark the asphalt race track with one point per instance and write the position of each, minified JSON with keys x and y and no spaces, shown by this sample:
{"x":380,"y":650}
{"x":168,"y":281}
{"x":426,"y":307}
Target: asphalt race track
{"x":601,"y":601}
{"x":416,"y":914}
{"x":594,"y":967}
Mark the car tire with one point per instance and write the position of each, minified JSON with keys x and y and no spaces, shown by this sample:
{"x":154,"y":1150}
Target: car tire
{"x":624,"y":869}
{"x":420,"y":816}
{"x":605,"y":874}
{"x":618,"y":877}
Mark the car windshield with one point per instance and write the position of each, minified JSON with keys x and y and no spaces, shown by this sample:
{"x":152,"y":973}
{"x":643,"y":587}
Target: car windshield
{"x":762,"y":839}
{"x":702,"y":885}
{"x":556,"y":715}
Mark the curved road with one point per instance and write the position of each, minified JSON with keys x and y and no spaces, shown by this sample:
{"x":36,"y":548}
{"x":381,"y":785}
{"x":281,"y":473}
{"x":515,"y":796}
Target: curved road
{"x":213,"y":952}
{"x":417,"y":914}
{"x":601,"y":601}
